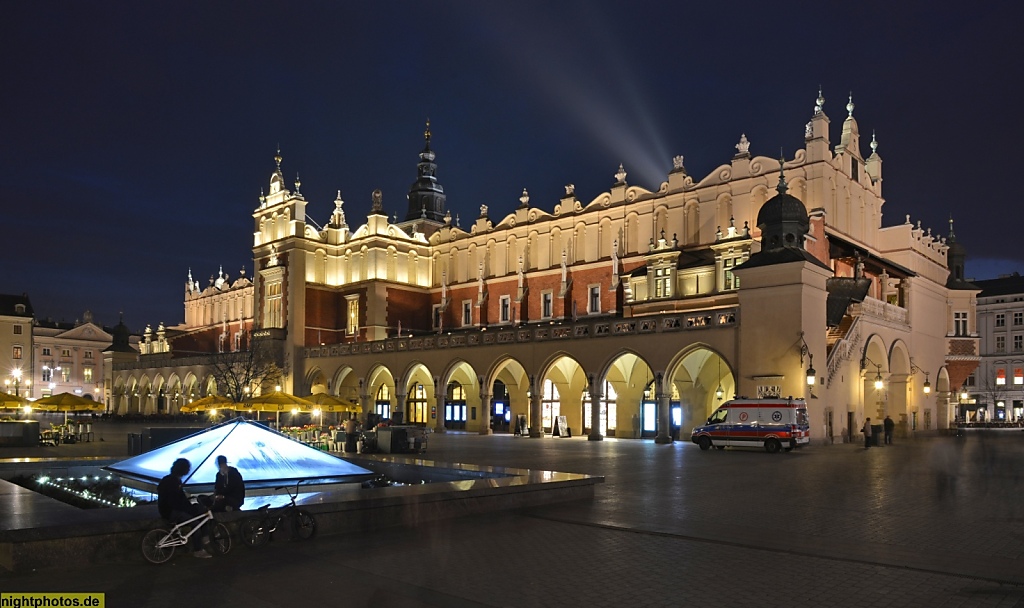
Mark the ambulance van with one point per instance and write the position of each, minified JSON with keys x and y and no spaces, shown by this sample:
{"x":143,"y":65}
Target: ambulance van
{"x":773,"y":424}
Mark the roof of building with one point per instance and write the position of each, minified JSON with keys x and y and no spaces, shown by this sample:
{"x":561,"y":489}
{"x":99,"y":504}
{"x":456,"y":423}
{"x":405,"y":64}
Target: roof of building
{"x":9,"y":304}
{"x":1002,"y":286}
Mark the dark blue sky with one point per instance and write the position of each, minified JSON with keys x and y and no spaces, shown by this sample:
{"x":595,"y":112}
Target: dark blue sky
{"x":137,"y":135}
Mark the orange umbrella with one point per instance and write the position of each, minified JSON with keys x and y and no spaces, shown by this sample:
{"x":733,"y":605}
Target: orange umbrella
{"x":67,"y":402}
{"x":276,"y":402}
{"x":207,"y":403}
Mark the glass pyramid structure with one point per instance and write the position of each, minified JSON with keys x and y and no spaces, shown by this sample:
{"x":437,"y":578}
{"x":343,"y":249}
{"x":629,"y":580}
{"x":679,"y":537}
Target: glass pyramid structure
{"x":264,"y":457}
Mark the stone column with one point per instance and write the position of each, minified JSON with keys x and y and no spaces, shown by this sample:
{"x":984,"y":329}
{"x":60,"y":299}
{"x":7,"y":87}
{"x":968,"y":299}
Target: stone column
{"x":364,"y":403}
{"x":485,"y":409}
{"x":400,"y":406}
{"x":664,"y":410}
{"x":595,"y":410}
{"x":536,"y":419}
{"x":439,"y":397}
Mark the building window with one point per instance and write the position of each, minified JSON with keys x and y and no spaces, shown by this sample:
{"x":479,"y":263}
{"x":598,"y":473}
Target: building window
{"x":88,"y":354}
{"x":46,"y":351}
{"x":1018,"y":319}
{"x":65,"y":373}
{"x":1000,"y":319}
{"x":437,"y":316}
{"x":960,"y":323}
{"x":505,"y":312}
{"x":970,"y":380}
{"x":382,"y":403}
{"x":1000,"y":344}
{"x":86,"y":374}
{"x":273,"y":313}
{"x":1000,"y":377}
{"x":594,"y":301}
{"x":731,"y":282}
{"x":546,"y":300}
{"x":467,"y":313}
{"x":1018,"y":376}
{"x":17,"y":353}
{"x":17,"y":329}
{"x":663,"y":282}
{"x":65,"y":353}
{"x":47,"y":374}
{"x":1018,"y":343}
{"x":353,"y":315}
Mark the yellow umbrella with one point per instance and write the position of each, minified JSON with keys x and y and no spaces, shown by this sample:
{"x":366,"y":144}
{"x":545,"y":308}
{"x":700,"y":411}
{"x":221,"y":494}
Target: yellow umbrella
{"x":67,"y":402}
{"x":276,"y":402}
{"x":207,"y":403}
{"x":330,"y":403}
{"x":12,"y":402}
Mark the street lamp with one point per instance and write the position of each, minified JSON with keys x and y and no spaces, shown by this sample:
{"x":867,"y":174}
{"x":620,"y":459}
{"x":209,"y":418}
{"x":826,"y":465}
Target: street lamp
{"x":878,"y":378}
{"x":15,"y":379}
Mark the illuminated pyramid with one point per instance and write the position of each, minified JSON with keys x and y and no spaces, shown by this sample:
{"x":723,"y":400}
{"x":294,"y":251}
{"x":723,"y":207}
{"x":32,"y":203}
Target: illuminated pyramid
{"x":265,"y":458}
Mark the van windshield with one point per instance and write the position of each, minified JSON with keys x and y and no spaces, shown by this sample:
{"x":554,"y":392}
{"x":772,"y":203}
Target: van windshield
{"x":719,"y":416}
{"x":801,"y":417}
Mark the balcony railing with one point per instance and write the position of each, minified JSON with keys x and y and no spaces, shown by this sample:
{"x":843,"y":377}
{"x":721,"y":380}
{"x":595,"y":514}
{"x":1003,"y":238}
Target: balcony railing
{"x":878,"y":309}
{"x":538,"y":332}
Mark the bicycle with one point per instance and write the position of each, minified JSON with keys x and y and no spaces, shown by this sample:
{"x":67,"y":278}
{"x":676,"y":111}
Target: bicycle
{"x":256,"y":530}
{"x":158,"y":545}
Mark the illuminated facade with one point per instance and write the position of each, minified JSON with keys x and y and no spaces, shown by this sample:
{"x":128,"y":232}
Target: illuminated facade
{"x":995,"y":392}
{"x":653,"y":305}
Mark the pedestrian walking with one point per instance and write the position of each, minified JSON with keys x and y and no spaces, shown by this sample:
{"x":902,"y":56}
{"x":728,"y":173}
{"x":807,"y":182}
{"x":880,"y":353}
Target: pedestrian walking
{"x":889,"y":426}
{"x":867,"y":433}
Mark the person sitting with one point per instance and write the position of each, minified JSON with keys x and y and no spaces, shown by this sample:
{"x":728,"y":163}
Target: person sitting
{"x":229,"y":488}
{"x":174,"y":505}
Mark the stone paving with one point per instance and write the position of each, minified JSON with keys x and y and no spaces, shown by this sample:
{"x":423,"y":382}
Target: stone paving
{"x":927,"y":522}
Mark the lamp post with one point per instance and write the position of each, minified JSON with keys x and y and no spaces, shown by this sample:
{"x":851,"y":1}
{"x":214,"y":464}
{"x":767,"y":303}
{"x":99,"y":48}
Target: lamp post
{"x":15,"y":379}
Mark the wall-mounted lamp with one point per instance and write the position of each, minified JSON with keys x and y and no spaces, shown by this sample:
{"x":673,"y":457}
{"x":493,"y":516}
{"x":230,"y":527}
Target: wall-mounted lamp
{"x":927,"y":386}
{"x":878,"y":378}
{"x":720,"y":392}
{"x":812,"y":375}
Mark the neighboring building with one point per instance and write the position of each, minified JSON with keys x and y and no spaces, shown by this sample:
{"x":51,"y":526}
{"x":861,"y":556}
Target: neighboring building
{"x":16,"y":344}
{"x":995,"y":392}
{"x":69,"y":357}
{"x":633,"y":314}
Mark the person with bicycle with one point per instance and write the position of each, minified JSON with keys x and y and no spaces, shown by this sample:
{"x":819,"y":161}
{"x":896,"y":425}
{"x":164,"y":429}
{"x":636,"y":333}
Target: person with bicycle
{"x":228,"y":489}
{"x":175,"y":507}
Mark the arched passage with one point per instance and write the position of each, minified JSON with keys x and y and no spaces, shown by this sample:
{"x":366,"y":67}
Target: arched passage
{"x":698,"y":381}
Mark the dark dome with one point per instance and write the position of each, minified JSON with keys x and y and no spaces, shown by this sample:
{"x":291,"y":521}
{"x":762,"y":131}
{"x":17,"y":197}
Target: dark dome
{"x":782,"y":208}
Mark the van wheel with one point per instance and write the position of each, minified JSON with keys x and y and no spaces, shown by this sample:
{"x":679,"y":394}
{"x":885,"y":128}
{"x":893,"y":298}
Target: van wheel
{"x":772,"y":446}
{"x":704,"y":443}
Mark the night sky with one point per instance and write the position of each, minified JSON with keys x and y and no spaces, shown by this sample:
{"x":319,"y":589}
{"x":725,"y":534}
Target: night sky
{"x":137,"y":135}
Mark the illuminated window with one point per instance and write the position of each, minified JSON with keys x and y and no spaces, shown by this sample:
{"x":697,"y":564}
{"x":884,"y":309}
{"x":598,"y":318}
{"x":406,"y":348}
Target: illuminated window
{"x":663,"y":282}
{"x":731,"y":281}
{"x":86,"y":374}
{"x":1018,"y":376}
{"x":550,"y":405}
{"x":273,"y":311}
{"x":65,"y":373}
{"x":47,"y":374}
{"x":455,"y":406}
{"x":16,"y":354}
{"x":437,"y":316}
{"x":607,"y":412}
{"x":1001,"y":377}
{"x":416,"y":406}
{"x":382,"y":403}
{"x":353,"y":315}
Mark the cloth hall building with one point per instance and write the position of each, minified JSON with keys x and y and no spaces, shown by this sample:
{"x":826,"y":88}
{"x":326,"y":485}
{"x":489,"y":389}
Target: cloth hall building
{"x":634,"y":314}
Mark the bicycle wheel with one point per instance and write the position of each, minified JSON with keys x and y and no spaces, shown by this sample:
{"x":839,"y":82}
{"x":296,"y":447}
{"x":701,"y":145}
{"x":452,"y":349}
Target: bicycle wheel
{"x":305,"y":525}
{"x":220,"y":539}
{"x":151,"y":550}
{"x":255,"y":531}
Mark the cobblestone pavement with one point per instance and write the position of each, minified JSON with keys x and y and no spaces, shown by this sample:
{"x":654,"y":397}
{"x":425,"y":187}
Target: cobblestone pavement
{"x":926,"y":522}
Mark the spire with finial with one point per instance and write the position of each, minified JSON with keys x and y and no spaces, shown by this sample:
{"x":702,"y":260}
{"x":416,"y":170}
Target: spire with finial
{"x":819,"y":102}
{"x":952,"y":235}
{"x":850,"y":106}
{"x":620,"y":175}
{"x":426,"y":133}
{"x":277,"y":157}
{"x":874,"y":142}
{"x":298,"y":183}
{"x":524,"y":200}
{"x":782,"y":187}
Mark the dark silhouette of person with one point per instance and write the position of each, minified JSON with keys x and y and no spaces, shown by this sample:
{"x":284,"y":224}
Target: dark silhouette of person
{"x":889,"y":425}
{"x":175,"y":507}
{"x":867,"y":433}
{"x":228,"y":489}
